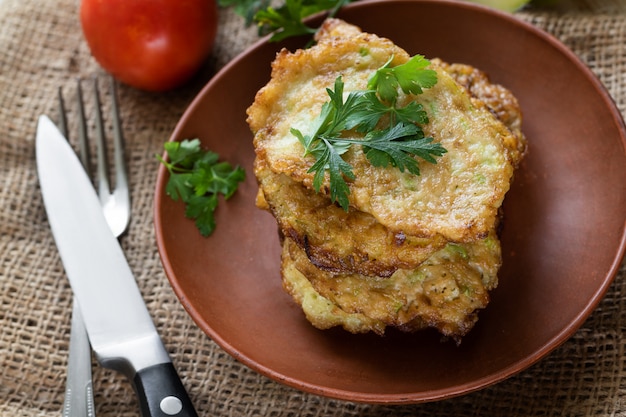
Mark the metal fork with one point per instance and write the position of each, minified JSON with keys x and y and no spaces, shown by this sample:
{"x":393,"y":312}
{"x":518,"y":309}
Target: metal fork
{"x":116,"y":208}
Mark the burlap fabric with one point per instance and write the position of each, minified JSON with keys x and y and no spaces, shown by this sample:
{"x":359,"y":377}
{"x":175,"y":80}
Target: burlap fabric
{"x":41,"y":48}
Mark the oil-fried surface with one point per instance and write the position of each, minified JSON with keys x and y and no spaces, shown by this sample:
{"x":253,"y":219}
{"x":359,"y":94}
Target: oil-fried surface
{"x":334,"y":239}
{"x":457,"y":198}
{"x":354,"y":241}
{"x":412,"y":252}
{"x":445,"y":292}
{"x":320,"y":311}
{"x":498,"y":99}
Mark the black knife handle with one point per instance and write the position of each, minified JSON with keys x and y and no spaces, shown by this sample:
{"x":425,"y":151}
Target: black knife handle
{"x":161,"y":392}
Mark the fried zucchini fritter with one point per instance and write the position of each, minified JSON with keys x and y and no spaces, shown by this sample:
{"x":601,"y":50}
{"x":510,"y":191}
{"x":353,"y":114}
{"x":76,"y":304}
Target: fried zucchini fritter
{"x":354,"y":241}
{"x":320,"y":311}
{"x":411,"y":252}
{"x":457,"y":198}
{"x":445,"y":292}
{"x":336,"y":240}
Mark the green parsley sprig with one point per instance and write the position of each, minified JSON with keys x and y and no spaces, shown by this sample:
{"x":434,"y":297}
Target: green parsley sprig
{"x":396,"y":144}
{"x":198,"y":177}
{"x":285,"y":20}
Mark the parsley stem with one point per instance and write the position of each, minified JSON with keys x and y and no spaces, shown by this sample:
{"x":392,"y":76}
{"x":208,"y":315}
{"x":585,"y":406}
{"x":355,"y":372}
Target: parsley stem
{"x":397,"y":143}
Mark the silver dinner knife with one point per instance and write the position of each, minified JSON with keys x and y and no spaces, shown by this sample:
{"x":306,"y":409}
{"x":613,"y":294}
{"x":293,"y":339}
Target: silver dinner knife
{"x":121,"y":332}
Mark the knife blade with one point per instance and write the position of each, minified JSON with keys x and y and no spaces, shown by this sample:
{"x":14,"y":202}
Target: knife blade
{"x":120,"y":329}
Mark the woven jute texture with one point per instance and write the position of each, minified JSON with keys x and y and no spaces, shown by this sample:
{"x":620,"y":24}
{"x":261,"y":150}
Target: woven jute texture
{"x":41,"y":48}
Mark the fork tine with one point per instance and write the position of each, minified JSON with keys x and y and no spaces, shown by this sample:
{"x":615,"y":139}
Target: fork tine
{"x":102,"y":168}
{"x":62,"y":114}
{"x":83,"y":146}
{"x":121,"y":175}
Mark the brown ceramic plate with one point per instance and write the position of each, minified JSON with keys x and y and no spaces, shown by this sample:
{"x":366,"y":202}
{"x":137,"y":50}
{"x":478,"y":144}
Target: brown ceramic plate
{"x":563,"y":238}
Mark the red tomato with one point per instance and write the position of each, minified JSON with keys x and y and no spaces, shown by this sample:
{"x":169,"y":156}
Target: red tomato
{"x":153,"y":45}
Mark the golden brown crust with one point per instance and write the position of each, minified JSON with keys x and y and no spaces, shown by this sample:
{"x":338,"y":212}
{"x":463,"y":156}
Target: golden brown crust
{"x":353,"y":241}
{"x":498,"y":99}
{"x":410,"y":252}
{"x":445,"y":292}
{"x":457,"y":198}
{"x":336,"y":240}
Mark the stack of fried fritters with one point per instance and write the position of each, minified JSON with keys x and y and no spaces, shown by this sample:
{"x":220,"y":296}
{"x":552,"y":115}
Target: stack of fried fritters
{"x":412,"y":251}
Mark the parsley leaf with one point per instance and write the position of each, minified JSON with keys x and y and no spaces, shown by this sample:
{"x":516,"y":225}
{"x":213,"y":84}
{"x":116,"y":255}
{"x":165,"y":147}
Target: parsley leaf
{"x":325,"y":146}
{"x":197,"y":177}
{"x":328,"y":156}
{"x":367,"y":113}
{"x":285,"y":20}
{"x":411,"y":77}
{"x":201,"y":208}
{"x":397,"y":143}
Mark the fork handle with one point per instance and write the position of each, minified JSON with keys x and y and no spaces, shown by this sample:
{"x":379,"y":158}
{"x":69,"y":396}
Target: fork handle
{"x":161,"y":392}
{"x":78,"y":390}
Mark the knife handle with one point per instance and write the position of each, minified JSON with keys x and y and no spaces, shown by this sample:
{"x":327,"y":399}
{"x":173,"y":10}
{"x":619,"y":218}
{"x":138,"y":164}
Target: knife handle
{"x":161,"y":392}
